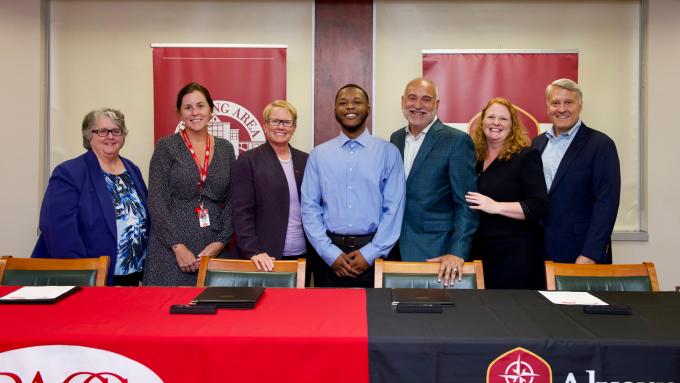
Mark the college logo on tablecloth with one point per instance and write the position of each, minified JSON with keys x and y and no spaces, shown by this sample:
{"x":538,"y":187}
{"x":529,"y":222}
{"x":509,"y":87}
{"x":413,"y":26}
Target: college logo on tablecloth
{"x":245,"y":135}
{"x":71,"y":364}
{"x":519,"y":366}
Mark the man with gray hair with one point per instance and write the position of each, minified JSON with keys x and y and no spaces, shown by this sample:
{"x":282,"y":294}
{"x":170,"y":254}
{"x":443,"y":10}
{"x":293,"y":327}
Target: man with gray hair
{"x":582,"y":174}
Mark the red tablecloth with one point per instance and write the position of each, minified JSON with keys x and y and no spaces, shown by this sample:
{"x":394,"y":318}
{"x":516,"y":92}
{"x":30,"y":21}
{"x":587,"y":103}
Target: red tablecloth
{"x":293,"y":335}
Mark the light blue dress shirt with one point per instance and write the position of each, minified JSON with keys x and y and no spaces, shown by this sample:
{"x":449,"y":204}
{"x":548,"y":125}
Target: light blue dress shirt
{"x":353,"y":187}
{"x":554,"y":151}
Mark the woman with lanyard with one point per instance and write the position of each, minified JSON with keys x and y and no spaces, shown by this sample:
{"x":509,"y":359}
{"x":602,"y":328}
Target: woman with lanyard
{"x":190,"y":183}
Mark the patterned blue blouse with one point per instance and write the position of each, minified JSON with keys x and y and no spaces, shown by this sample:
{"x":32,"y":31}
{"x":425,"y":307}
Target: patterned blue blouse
{"x":131,"y":223}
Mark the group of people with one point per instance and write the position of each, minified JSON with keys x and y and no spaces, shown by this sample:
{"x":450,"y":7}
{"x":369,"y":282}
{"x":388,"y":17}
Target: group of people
{"x":433,"y":193}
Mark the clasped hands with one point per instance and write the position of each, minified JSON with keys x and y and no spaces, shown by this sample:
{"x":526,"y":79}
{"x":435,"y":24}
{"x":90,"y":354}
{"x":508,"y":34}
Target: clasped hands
{"x":350,"y":265}
{"x":188,"y":262}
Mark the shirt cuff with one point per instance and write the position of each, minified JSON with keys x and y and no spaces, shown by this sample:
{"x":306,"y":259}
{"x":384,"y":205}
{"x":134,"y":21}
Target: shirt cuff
{"x":330,"y":254}
{"x":370,"y":253}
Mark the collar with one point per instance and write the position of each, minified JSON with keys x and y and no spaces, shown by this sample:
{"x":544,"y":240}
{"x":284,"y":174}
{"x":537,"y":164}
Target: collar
{"x":363,"y":138}
{"x":423,"y":132}
{"x":551,"y":132}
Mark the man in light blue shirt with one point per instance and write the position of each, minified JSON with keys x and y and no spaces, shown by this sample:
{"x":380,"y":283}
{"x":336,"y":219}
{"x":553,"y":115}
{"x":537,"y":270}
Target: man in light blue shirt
{"x":352,"y":197}
{"x":554,"y":151}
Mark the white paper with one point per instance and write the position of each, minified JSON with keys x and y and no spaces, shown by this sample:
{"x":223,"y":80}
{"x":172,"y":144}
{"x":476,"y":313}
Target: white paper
{"x":37,"y":293}
{"x":573,"y":298}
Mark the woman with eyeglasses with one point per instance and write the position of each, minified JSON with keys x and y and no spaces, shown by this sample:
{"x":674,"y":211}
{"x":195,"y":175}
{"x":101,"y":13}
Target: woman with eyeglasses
{"x":190,"y":185}
{"x":95,"y":204}
{"x":267,"y":218}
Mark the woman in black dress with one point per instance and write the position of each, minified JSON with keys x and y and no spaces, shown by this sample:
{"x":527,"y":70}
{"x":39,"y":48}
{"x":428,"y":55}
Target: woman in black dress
{"x":512,"y":199}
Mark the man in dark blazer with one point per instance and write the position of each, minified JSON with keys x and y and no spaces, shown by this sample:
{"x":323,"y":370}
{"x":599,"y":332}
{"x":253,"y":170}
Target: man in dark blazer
{"x":439,"y":163}
{"x":581,"y":168}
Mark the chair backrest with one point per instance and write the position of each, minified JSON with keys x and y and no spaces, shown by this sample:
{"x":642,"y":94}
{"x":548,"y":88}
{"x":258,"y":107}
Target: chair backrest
{"x":244,"y":273}
{"x":53,"y":272}
{"x":391,"y":274}
{"x":597,"y":277}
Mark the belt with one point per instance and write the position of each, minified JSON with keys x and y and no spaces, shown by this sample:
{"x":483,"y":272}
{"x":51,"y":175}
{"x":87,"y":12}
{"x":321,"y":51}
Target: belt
{"x":350,"y":240}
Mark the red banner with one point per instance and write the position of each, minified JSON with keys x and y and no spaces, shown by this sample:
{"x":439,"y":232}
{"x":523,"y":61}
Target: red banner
{"x":241,"y":80}
{"x":468,"y":79}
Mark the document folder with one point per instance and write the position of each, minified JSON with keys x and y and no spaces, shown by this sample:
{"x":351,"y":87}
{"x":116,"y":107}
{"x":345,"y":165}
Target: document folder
{"x":230,"y":297}
{"x":422,"y":296}
{"x":39,"y":294}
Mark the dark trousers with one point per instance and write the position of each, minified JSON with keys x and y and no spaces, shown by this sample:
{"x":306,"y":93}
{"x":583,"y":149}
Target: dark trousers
{"x":324,"y":276}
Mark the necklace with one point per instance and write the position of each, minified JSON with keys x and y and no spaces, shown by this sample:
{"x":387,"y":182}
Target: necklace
{"x":286,"y":161}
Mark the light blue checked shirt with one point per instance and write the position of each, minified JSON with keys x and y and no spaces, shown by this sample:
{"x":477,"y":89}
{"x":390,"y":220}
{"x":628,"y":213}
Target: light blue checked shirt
{"x":554,"y":151}
{"x":353,"y":187}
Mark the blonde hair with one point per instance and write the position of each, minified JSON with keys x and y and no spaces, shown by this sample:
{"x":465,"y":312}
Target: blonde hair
{"x":283,"y":104}
{"x":514,"y":143}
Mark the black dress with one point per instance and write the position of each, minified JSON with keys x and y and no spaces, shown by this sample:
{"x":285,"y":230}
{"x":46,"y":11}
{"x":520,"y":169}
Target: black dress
{"x":509,"y":248}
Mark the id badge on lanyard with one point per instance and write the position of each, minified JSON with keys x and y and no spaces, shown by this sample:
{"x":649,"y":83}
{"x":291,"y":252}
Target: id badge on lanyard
{"x":200,"y":209}
{"x":203,"y":216}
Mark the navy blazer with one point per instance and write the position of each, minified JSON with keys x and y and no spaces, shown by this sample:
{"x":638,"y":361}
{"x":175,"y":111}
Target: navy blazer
{"x":261,"y":200}
{"x":583,"y":199}
{"x":77,"y":218}
{"x":437,"y":219}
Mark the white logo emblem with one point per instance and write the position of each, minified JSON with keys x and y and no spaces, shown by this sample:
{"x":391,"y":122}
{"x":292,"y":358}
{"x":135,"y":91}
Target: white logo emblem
{"x":71,"y":364}
{"x":519,"y":372}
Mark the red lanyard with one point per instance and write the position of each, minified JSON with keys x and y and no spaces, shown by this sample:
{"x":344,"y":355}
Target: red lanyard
{"x":202,"y":171}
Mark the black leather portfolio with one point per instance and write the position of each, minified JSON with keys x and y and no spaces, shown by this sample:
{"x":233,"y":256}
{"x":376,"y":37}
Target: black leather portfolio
{"x":422,"y":296}
{"x":230,"y":297}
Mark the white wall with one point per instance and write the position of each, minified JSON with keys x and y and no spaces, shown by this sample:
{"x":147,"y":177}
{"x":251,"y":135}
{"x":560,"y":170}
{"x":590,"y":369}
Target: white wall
{"x":101,"y":56}
{"x":606,"y":33}
{"x":662,"y":130}
{"x":22,"y":109}
{"x":21,"y":106}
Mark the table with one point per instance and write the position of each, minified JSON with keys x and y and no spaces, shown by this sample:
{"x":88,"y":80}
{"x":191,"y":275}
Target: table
{"x":339,"y":335}
{"x":297,"y":334}
{"x":460,"y":344}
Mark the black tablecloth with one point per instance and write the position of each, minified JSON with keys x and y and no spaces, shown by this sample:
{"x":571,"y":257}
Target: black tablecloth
{"x":459,"y":344}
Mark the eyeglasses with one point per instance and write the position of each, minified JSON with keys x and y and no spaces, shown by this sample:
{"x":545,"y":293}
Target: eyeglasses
{"x":286,"y":123}
{"x":116,"y":132}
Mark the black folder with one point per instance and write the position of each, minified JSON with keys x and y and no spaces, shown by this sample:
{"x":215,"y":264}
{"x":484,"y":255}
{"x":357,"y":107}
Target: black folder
{"x":230,"y":297}
{"x":422,"y":296}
